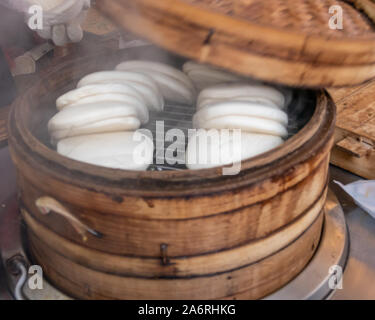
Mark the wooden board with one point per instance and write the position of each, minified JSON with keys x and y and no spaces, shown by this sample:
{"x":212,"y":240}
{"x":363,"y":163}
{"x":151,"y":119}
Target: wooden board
{"x":355,"y":129}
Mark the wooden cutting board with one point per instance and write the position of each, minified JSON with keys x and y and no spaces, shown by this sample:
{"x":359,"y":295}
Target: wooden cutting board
{"x":355,"y":129}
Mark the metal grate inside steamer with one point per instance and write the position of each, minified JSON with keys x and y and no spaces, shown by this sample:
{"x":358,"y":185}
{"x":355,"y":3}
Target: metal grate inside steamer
{"x":173,"y":117}
{"x":300,"y":110}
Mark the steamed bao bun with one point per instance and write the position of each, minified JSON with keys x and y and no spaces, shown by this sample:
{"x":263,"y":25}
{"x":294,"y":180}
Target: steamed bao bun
{"x":117,"y":150}
{"x":248,"y":116}
{"x":208,"y":150}
{"x":256,"y":93}
{"x":174,"y":85}
{"x":205,"y":76}
{"x":96,"y":121}
{"x":142,"y":84}
{"x":255,"y":110}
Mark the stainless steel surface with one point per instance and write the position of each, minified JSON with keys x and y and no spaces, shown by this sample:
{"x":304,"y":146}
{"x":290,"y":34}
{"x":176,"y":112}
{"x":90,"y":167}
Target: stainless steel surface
{"x":359,"y":276}
{"x":7,"y":175}
{"x":4,"y":292}
{"x":7,"y":188}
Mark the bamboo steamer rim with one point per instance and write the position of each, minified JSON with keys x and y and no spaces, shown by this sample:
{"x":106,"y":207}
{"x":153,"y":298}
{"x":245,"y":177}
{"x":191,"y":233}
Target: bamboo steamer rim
{"x":165,"y":183}
{"x":265,"y":52}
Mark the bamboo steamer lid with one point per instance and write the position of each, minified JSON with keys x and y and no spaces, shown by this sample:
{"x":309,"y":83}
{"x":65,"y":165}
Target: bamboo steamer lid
{"x":281,"y":41}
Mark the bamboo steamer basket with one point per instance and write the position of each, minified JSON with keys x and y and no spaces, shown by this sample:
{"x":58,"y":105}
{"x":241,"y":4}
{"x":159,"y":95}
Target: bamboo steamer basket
{"x":172,"y":234}
{"x":115,"y":234}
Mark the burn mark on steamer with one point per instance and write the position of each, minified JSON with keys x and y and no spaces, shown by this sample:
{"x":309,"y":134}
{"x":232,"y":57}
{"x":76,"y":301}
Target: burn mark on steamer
{"x":209,"y":36}
{"x":165,"y":261}
{"x":149,"y":202}
{"x":117,"y":198}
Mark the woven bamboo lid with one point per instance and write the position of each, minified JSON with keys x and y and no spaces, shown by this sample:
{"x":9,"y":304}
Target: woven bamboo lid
{"x":283,"y":41}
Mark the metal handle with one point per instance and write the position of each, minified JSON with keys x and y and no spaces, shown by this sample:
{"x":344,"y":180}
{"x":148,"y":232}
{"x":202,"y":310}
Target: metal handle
{"x":48,"y":204}
{"x":17,"y":267}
